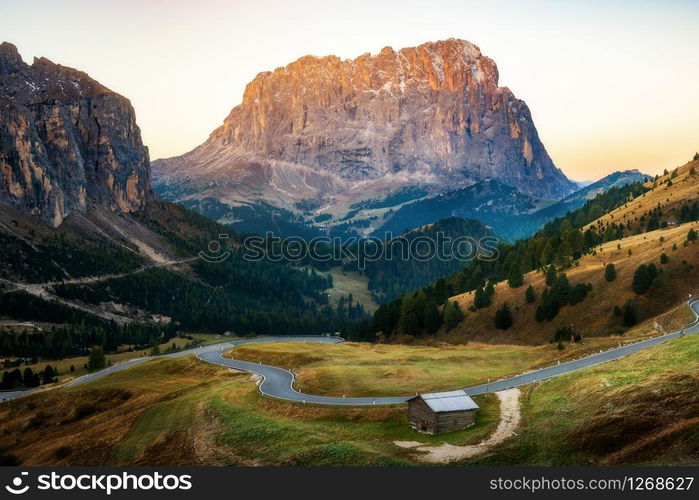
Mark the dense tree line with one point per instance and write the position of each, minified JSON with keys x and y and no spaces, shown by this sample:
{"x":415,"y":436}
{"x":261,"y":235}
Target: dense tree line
{"x":402,"y":268}
{"x":17,"y":379}
{"x":417,"y":314}
{"x":249,"y":298}
{"x":75,"y":333}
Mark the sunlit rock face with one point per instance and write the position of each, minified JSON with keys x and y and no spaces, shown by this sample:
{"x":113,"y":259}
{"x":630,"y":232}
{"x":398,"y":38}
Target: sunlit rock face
{"x":66,"y":141}
{"x":338,"y":131}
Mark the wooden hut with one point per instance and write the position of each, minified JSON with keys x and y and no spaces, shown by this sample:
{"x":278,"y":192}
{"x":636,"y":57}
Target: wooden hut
{"x":441,"y":412}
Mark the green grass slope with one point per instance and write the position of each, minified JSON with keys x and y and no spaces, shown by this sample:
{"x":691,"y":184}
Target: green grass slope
{"x":643,"y":409}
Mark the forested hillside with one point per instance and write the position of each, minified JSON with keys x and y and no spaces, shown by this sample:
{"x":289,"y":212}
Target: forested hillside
{"x":420,"y":256}
{"x":132,"y":282}
{"x":555,"y":259}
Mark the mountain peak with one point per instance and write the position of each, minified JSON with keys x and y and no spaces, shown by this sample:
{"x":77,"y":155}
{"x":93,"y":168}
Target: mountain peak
{"x":10,"y":60}
{"x":331,"y":132}
{"x":7,"y":48}
{"x":67,"y":142}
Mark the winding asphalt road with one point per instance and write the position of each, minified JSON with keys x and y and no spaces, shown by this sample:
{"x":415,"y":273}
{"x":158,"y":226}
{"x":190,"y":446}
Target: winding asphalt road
{"x":278,"y":383}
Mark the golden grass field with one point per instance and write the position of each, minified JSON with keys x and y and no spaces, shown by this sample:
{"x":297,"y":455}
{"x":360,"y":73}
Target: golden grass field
{"x":593,"y":317}
{"x":641,"y":409}
{"x":357,"y":369}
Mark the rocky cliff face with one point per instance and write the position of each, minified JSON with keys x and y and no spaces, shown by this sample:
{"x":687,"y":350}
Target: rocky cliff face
{"x":337,"y":131}
{"x":66,"y":141}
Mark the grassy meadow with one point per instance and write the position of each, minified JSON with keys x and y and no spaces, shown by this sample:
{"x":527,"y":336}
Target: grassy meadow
{"x":186,"y":412}
{"x":643,"y":409}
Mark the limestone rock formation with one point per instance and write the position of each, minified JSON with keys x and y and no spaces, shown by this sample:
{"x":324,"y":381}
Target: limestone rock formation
{"x":329,"y":133}
{"x":66,"y":141}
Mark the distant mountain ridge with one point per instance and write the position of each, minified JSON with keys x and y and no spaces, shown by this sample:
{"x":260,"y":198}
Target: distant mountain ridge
{"x":323,"y":134}
{"x":580,"y":197}
{"x":510,"y":213}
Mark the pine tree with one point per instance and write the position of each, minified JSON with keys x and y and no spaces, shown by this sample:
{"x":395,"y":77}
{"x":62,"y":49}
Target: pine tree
{"x":563,"y":254}
{"x":440,"y":291}
{"x":503,"y":317}
{"x":629,"y":315}
{"x":664,"y":258}
{"x":452,"y":315}
{"x":48,"y":375}
{"x":641,"y":280}
{"x":652,"y":273}
{"x":515,"y":279}
{"x":544,"y":310}
{"x":610,"y":272}
{"x":432,"y":318}
{"x":481,"y":299}
{"x":530,"y":295}
{"x":550,"y":275}
{"x":579,"y":292}
{"x":691,"y":235}
{"x":561,"y":290}
{"x":409,"y":321}
{"x":7,"y":381}
{"x":30,"y":379}
{"x":96,"y":360}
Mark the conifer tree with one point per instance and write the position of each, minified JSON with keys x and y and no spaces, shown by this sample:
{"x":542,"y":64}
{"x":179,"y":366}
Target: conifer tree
{"x":452,"y":315}
{"x":503,"y":317}
{"x":641,"y":280}
{"x":530,"y":295}
{"x":610,"y":272}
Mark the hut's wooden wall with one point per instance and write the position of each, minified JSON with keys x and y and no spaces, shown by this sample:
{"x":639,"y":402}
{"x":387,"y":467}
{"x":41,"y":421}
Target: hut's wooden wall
{"x":420,"y":413}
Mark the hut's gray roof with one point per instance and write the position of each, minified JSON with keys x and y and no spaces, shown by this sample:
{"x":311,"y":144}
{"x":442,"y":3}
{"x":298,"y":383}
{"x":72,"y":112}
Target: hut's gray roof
{"x":449,"y":401}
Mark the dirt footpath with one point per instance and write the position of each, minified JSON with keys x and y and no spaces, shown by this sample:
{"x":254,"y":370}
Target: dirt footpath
{"x":444,"y":453}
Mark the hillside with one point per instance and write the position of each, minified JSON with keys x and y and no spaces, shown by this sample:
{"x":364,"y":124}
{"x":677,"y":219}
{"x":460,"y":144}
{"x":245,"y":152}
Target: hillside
{"x":672,"y":199}
{"x":577,"y":248}
{"x":594,"y":316}
{"x":641,"y":410}
{"x":398,"y":269}
{"x":126,"y":283}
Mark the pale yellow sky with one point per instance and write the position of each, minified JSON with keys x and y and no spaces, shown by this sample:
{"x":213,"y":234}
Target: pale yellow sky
{"x":611,"y":85}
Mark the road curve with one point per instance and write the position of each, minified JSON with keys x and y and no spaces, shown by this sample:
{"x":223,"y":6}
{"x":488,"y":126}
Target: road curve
{"x":279,"y":383}
{"x":592,"y":360}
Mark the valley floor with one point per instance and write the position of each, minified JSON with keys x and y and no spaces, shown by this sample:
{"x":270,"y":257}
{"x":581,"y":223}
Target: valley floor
{"x":642,"y":409}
